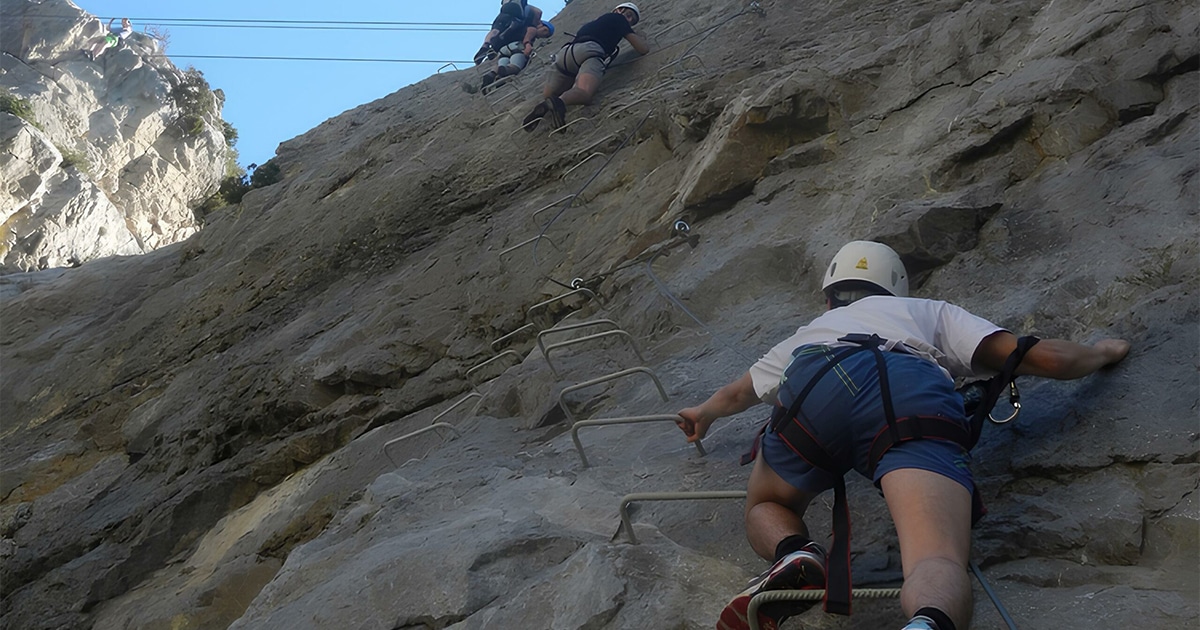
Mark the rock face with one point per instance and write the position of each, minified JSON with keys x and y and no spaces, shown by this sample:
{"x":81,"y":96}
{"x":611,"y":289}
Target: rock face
{"x":198,"y":437}
{"x":103,"y":163}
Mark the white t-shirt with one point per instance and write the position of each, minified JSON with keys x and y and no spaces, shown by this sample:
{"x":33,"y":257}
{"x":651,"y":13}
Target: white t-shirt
{"x":933,"y":330}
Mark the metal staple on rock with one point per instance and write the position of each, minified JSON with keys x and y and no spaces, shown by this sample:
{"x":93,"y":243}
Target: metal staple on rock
{"x":670,"y":496}
{"x":597,"y":422}
{"x":421,"y":431}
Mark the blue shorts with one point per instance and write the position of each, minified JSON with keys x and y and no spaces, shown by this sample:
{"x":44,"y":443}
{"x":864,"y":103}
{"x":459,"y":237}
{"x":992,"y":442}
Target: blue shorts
{"x":844,"y":412}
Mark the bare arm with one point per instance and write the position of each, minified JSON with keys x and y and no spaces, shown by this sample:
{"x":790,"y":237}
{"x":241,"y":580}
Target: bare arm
{"x":530,"y":35}
{"x":638,"y":42}
{"x":1050,"y":358}
{"x":733,"y":398}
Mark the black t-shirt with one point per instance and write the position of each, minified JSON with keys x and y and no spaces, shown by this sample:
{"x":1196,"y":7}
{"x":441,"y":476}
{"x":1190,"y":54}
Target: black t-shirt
{"x":607,"y":30}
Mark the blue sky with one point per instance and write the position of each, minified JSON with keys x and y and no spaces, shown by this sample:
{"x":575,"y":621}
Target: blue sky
{"x":272,"y":101}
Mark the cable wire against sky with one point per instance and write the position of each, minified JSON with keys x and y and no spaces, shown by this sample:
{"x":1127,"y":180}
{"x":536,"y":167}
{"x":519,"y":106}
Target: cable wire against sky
{"x":302,"y":25}
{"x":272,"y":58}
{"x":446,"y":29}
{"x":318,"y":25}
{"x":235,"y":21}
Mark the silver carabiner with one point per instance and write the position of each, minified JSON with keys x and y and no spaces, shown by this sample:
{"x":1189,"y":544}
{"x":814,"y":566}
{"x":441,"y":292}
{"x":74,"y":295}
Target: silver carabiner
{"x":1014,"y":397}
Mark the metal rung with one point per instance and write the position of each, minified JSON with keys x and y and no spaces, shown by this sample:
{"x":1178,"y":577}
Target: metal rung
{"x":551,"y":205}
{"x":498,"y":83}
{"x":524,"y":243}
{"x":514,"y":92}
{"x":595,"y":422}
{"x":449,"y":65}
{"x":673,"y":27}
{"x":432,"y":427}
{"x":644,"y":95}
{"x":582,"y":162}
{"x":766,"y":597}
{"x":514,"y":334}
{"x":569,"y":327}
{"x":499,"y":116}
{"x":604,"y":379}
{"x":491,"y":360}
{"x":577,"y":120}
{"x":512,"y":82}
{"x":601,"y":335}
{"x":493,"y":102}
{"x":543,"y":304}
{"x":680,"y":61}
{"x":620,"y":110}
{"x":591,"y":147}
{"x":459,"y":402}
{"x":670,"y":496}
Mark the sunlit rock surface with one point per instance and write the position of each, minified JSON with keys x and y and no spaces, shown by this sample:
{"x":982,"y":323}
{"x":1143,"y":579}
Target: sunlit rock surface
{"x":102,"y":166}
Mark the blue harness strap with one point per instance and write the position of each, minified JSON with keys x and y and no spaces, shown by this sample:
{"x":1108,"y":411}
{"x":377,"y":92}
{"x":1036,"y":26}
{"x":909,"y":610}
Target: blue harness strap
{"x":793,"y":433}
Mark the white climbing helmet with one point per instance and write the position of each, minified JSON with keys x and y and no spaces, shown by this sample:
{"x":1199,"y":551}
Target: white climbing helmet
{"x":632,"y":7}
{"x":870,"y":262}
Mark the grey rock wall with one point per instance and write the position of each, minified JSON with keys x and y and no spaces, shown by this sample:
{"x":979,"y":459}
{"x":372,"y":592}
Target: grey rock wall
{"x":220,"y":462}
{"x":132,"y":177}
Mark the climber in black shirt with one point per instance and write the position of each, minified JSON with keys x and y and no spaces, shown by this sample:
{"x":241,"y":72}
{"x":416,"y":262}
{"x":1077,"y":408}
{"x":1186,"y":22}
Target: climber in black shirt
{"x":579,"y":66}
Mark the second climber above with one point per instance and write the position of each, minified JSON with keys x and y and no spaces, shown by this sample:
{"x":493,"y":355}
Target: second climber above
{"x":580,"y":64}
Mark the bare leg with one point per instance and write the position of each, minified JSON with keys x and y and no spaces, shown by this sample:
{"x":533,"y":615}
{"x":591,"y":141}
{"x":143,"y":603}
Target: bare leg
{"x":556,"y":83}
{"x":581,"y":94}
{"x":774,"y":508}
{"x":933,"y":521}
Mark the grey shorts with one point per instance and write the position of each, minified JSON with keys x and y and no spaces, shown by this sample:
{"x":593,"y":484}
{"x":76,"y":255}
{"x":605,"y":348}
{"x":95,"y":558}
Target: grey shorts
{"x":575,"y":59}
{"x":513,"y":55}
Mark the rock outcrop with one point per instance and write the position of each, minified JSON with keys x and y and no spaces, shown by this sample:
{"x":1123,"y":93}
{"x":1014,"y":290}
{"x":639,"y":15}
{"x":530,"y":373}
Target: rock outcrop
{"x":195,"y":437}
{"x":107,"y":158}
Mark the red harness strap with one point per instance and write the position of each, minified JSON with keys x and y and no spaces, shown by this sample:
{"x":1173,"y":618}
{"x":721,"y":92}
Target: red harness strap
{"x":896,"y":430}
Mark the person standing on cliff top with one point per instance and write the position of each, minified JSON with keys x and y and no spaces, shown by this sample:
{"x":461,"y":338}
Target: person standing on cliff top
{"x":97,"y":45}
{"x":875,"y":368}
{"x":579,"y":65}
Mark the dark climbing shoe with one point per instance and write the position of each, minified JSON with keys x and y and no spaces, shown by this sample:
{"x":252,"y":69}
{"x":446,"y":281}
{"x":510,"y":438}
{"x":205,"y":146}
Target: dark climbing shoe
{"x":558,"y":112}
{"x":488,"y":79}
{"x":482,"y":55}
{"x":531,"y":121}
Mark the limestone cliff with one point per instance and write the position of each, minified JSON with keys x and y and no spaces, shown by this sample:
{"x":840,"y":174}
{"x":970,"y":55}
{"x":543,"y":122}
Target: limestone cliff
{"x":194,"y":438}
{"x":107,"y":157}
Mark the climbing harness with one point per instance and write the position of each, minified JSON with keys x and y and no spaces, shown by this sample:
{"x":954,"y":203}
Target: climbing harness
{"x":797,"y":437}
{"x":980,"y":397}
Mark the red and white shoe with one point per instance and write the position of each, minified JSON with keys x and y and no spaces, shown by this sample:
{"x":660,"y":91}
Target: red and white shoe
{"x":803,"y":569}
